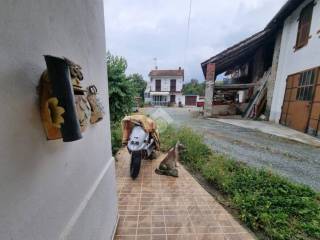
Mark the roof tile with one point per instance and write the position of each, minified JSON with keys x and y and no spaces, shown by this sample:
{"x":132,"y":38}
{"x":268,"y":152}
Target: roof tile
{"x":164,"y":73}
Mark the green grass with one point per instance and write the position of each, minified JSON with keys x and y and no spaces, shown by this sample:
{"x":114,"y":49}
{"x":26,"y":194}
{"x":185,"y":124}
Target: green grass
{"x":265,"y":202}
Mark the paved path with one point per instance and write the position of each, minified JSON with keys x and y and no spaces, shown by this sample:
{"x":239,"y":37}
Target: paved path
{"x":167,"y":208}
{"x":274,"y":129}
{"x":299,"y":162}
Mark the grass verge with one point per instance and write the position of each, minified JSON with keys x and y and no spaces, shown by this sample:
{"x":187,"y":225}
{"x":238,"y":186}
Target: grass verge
{"x":265,"y":202}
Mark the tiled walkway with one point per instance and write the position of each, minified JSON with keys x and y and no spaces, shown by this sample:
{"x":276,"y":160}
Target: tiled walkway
{"x":166,"y":208}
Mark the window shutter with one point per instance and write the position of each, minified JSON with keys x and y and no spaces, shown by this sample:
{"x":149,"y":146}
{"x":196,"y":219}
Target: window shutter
{"x":304,"y":25}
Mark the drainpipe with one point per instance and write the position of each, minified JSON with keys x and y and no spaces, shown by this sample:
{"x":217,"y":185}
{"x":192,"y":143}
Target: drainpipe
{"x":210,"y":77}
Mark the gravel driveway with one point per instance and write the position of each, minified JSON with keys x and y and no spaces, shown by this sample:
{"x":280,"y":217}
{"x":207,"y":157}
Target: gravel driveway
{"x":296,"y":161}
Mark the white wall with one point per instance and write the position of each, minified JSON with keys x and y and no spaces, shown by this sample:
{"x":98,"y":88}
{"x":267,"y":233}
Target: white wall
{"x":49,"y":189}
{"x":291,"y":61}
{"x":180,"y":98}
{"x":165,"y":83}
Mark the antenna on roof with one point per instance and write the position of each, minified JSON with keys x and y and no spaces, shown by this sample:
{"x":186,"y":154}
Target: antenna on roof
{"x":155,"y":63}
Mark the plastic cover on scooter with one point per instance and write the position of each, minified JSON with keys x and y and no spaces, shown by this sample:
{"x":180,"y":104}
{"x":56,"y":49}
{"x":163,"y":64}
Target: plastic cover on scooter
{"x":148,"y":124}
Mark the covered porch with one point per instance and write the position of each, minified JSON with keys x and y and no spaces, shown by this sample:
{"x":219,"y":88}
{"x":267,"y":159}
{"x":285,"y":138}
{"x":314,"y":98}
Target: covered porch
{"x":160,"y":98}
{"x":237,"y":78}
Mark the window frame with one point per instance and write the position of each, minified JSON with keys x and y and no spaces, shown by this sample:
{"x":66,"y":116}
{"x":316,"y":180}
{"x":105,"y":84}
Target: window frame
{"x":306,"y":85}
{"x":173,"y":86}
{"x":156,"y":85}
{"x":300,"y":43}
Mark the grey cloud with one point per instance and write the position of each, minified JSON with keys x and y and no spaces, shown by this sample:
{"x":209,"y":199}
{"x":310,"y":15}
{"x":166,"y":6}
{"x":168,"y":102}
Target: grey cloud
{"x":140,"y":30}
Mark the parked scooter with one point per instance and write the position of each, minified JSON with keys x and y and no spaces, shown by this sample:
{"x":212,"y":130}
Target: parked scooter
{"x":141,"y":137}
{"x":140,"y":146}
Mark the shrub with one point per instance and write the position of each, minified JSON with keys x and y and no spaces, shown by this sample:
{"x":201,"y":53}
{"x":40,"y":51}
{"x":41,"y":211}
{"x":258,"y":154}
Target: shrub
{"x":116,"y":137}
{"x":266,"y":203}
{"x":121,"y":91}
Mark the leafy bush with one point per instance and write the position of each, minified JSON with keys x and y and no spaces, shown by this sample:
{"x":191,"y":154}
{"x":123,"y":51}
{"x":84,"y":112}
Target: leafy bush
{"x":139,"y":84}
{"x":194,"y":88}
{"x":267,"y":203}
{"x":121,"y":89}
{"x":116,"y":137}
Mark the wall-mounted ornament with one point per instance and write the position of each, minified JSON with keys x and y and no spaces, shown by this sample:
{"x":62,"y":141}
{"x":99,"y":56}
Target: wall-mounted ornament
{"x":66,"y":107}
{"x":55,"y":112}
{"x":96,"y":106}
{"x":76,"y":76}
{"x":57,"y":101}
{"x":83,"y":111}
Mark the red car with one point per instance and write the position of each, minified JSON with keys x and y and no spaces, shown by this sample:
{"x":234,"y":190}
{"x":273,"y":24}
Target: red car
{"x":200,"y":103}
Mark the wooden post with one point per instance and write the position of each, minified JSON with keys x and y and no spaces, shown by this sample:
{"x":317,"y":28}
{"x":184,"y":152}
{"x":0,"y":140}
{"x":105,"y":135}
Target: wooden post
{"x":210,"y":77}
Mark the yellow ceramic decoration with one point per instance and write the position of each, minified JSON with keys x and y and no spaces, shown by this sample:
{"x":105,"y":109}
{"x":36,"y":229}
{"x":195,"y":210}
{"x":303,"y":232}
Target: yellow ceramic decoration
{"x":55,"y":112}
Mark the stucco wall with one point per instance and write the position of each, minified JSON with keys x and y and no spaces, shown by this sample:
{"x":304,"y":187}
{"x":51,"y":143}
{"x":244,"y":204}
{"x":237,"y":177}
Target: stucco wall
{"x":291,"y":61}
{"x":165,"y":83}
{"x":49,"y":189}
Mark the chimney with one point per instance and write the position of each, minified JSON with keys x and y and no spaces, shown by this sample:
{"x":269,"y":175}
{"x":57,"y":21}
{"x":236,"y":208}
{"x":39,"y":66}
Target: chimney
{"x":179,"y":68}
{"x":156,"y":67}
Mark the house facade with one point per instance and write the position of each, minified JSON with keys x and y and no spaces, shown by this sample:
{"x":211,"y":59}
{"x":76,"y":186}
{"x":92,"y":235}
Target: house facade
{"x":296,"y":95}
{"x":165,"y":87}
{"x":277,"y":69}
{"x":53,"y":190}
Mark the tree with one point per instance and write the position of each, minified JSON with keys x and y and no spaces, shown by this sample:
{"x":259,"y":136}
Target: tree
{"x":194,"y":88}
{"x":139,"y":84}
{"x":121,"y":90}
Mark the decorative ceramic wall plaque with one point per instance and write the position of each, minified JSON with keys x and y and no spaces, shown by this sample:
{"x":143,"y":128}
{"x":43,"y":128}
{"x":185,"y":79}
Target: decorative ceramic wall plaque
{"x":59,"y":76}
{"x":66,"y":107}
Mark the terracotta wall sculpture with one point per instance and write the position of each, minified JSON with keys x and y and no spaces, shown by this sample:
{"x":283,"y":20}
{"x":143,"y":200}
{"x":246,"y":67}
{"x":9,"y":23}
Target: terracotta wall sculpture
{"x":66,"y":107}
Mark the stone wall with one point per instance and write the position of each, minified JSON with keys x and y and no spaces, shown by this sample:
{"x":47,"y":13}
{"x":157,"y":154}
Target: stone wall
{"x":274,"y":69}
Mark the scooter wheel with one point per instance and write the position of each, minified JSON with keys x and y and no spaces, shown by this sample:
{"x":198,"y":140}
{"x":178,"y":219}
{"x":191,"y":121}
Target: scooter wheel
{"x":135,"y":164}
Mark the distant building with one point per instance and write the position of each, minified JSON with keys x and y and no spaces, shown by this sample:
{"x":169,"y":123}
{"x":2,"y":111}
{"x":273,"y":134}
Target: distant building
{"x":275,"y":72}
{"x":165,"y":87}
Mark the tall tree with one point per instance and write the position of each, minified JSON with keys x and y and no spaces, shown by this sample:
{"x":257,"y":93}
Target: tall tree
{"x":138,"y":83}
{"x":121,"y":89}
{"x":194,"y":88}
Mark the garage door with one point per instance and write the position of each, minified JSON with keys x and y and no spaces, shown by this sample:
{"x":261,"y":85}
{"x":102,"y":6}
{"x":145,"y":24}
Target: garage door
{"x":298,"y":100}
{"x":191,"y":100}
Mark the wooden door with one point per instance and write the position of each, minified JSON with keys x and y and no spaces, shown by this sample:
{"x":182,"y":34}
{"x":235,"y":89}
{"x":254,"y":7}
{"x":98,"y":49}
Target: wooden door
{"x":298,"y":100}
{"x":172,"y":98}
{"x":314,"y":121}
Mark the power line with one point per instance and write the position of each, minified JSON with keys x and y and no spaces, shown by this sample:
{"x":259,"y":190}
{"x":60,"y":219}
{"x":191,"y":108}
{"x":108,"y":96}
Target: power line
{"x":188,"y":33}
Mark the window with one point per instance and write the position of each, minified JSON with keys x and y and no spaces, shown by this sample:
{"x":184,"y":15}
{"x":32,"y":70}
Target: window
{"x":173,"y":83}
{"x":305,"y":88}
{"x":304,"y":26}
{"x":158,"y":85}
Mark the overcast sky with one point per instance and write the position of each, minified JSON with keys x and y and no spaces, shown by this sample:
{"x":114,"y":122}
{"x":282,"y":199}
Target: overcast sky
{"x":141,"y":30}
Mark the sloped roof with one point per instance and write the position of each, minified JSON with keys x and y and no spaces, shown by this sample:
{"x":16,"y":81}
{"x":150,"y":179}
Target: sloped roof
{"x":241,"y":50}
{"x":284,"y":12}
{"x":165,"y":73}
